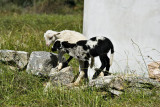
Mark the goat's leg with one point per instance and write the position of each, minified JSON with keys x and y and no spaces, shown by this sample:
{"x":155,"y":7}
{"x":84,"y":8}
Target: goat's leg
{"x":92,"y":62}
{"x":105,"y":62}
{"x":85,"y":69}
{"x":103,"y":65}
{"x":107,"y":66}
{"x":81,"y":74}
{"x":65,"y":64}
{"x":60,"y":59}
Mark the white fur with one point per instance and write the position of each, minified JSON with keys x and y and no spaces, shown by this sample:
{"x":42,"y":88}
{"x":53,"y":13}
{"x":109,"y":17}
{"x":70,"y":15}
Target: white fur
{"x":91,"y":43}
{"x":60,"y":65}
{"x":50,"y":34}
{"x":65,"y":35}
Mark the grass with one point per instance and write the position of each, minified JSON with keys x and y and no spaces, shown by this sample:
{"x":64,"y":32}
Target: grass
{"x":25,"y":33}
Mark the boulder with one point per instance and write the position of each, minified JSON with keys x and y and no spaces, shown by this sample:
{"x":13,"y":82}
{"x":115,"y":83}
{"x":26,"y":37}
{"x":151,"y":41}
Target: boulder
{"x":14,"y":58}
{"x":154,"y":70}
{"x":41,"y":63}
{"x":112,"y":83}
{"x":101,"y":82}
{"x":116,"y":84}
{"x":59,"y":78}
{"x":62,"y":77}
{"x":115,"y":92}
{"x":140,"y":82}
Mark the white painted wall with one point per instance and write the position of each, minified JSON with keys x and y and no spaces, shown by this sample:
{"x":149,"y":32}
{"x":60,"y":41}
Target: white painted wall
{"x":121,"y":21}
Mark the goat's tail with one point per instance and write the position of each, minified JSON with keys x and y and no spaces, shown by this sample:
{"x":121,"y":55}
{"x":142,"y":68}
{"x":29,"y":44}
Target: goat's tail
{"x":112,"y":54}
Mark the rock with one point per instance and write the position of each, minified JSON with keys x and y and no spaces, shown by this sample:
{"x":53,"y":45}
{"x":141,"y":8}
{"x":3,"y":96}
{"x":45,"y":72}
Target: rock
{"x":108,"y":81}
{"x":112,"y":83}
{"x":101,"y":82}
{"x":59,"y":78}
{"x":62,"y":77}
{"x":7,"y":55}
{"x":12,"y":68}
{"x":14,"y":58}
{"x":154,"y":70}
{"x":41,"y":63}
{"x":141,"y":81}
{"x":118,"y":84}
{"x":22,"y":59}
{"x":115,"y":92}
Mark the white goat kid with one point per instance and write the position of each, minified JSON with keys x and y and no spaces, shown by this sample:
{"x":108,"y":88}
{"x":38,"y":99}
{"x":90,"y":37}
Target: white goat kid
{"x":65,"y":35}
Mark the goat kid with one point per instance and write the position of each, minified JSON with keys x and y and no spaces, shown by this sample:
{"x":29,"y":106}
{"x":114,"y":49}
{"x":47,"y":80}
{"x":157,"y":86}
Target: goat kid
{"x":66,"y":35}
{"x":84,"y":50}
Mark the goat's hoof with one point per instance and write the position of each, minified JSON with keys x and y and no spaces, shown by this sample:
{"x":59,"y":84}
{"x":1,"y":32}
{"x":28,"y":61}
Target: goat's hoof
{"x":97,"y":73}
{"x":106,"y":73}
{"x":60,"y":66}
{"x":65,"y":64}
{"x":101,"y":74}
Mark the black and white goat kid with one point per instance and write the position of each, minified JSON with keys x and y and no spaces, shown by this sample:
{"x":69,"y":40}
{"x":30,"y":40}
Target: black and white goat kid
{"x":83,"y":50}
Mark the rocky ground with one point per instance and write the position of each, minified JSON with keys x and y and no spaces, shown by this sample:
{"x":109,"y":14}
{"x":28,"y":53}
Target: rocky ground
{"x":41,"y":63}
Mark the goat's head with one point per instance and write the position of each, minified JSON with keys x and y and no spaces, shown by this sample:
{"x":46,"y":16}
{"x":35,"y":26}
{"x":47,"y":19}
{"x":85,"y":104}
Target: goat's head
{"x":50,"y":36}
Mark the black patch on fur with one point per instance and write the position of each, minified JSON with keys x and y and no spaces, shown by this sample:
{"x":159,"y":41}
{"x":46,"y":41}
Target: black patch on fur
{"x":94,"y":52}
{"x":56,"y":46}
{"x":67,"y":51}
{"x":87,"y":56}
{"x":65,"y":44}
{"x":93,"y":39}
{"x":100,"y":41}
{"x":81,"y":43}
{"x":85,"y":47}
{"x":102,"y":46}
{"x":58,"y":33}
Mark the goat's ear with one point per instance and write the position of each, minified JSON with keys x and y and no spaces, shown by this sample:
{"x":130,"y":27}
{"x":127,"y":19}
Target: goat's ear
{"x":57,"y":33}
{"x":65,"y":44}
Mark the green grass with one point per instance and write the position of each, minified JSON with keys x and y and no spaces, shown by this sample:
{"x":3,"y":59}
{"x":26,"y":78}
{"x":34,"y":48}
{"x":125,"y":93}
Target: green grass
{"x":25,"y":33}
